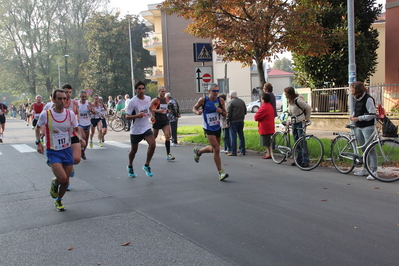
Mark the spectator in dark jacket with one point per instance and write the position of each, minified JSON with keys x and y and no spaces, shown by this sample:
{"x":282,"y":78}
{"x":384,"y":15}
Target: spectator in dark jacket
{"x":268,"y":88}
{"x":236,"y":112}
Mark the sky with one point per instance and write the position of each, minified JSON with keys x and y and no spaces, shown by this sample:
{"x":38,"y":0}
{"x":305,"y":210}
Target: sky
{"x":132,"y":6}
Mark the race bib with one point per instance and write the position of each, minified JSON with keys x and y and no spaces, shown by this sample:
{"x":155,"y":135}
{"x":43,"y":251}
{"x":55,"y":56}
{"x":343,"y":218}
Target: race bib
{"x":213,"y":119}
{"x":163,"y":107}
{"x":84,"y":115}
{"x":61,"y":141}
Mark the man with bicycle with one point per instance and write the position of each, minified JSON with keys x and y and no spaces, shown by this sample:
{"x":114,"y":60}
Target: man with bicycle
{"x":299,"y":111}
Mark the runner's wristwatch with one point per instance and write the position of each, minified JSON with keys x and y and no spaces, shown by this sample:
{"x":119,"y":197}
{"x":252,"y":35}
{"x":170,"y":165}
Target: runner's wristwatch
{"x":37,"y":141}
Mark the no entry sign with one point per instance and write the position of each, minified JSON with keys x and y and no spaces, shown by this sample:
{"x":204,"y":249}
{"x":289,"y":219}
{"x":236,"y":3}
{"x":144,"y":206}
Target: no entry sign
{"x":203,"y":76}
{"x":206,"y":78}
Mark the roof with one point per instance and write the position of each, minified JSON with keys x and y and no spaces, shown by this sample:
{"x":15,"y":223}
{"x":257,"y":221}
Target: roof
{"x":276,"y":72}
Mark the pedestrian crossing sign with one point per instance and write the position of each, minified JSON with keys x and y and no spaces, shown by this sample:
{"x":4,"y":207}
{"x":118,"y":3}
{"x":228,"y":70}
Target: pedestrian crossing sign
{"x":202,"y":52}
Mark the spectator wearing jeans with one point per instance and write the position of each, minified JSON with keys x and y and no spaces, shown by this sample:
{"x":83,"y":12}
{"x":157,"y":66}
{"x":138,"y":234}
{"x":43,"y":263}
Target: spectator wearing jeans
{"x":173,"y":116}
{"x":236,"y":112}
{"x":225,"y":130}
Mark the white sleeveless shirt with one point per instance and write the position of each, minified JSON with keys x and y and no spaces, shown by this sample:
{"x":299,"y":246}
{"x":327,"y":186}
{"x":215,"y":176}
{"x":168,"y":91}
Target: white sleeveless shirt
{"x":84,"y":113}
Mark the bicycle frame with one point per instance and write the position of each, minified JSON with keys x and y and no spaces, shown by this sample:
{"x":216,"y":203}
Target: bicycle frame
{"x":286,"y":132}
{"x":374,"y":137}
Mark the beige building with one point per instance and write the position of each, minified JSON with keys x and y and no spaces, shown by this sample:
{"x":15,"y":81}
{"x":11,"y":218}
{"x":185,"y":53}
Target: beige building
{"x":173,"y":49}
{"x":175,"y":66}
{"x":379,"y":76}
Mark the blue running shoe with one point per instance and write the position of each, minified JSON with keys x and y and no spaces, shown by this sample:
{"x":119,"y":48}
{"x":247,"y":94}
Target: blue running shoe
{"x":147,"y":170}
{"x":130,"y":171}
{"x":69,"y":187}
{"x":72,"y":173}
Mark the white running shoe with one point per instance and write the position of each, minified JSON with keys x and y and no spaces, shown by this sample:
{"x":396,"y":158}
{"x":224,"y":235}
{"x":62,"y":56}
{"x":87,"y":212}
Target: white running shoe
{"x":370,"y":177}
{"x":362,"y":172}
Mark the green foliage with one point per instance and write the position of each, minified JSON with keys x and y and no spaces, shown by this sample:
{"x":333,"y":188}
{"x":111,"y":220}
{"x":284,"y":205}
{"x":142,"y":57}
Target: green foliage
{"x":151,"y":89}
{"x":249,"y":31}
{"x":108,"y":68}
{"x":284,"y":64}
{"x":195,"y":134}
{"x":331,"y":69}
{"x":35,"y":34}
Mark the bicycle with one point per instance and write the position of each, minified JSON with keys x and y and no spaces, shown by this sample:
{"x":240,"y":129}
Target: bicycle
{"x":117,"y":123}
{"x":308,"y":145}
{"x":379,"y":153}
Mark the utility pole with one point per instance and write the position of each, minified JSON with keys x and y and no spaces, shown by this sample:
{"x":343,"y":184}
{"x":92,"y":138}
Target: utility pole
{"x":59,"y":71}
{"x":131,"y":53}
{"x":351,"y":49}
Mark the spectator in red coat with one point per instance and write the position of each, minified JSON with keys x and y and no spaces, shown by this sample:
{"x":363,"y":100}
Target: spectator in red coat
{"x":265,"y":118}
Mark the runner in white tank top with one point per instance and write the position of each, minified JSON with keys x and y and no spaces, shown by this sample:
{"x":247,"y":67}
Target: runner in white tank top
{"x":59,"y":123}
{"x":84,"y":107}
{"x":96,"y":121}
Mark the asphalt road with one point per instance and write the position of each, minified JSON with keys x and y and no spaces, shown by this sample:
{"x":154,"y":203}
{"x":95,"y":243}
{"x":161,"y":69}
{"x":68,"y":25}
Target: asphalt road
{"x":263,"y":214}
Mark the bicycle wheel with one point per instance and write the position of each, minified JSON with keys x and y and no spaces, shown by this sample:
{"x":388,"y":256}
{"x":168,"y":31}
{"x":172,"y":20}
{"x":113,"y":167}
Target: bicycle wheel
{"x":109,"y":120}
{"x":308,"y":148}
{"x":279,"y":147}
{"x":383,"y":155}
{"x":117,"y":124}
{"x":341,"y":147}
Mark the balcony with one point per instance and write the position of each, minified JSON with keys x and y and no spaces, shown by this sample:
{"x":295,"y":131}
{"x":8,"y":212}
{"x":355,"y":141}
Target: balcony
{"x":154,"y":72}
{"x":152,"y":42}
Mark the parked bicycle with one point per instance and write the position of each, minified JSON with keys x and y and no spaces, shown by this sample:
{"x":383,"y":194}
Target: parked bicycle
{"x":382,"y":154}
{"x":308,"y":145}
{"x":116,"y":122}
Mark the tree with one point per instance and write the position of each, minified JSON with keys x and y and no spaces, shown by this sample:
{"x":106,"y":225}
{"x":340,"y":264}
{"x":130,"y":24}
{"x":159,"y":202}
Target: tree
{"x":284,"y":64}
{"x":332,"y":68}
{"x":35,"y":33}
{"x":249,"y":30}
{"x":107,"y":71}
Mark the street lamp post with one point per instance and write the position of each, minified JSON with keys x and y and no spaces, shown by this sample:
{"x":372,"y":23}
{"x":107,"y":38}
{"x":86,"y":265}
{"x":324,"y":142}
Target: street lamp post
{"x":131,"y":53}
{"x":59,"y":72}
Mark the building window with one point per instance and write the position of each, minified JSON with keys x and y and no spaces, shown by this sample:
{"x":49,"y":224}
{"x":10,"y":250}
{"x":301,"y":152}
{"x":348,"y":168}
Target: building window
{"x":222,"y":85}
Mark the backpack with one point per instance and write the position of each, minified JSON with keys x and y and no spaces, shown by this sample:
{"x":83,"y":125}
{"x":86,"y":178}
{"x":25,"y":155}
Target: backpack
{"x":388,"y":128}
{"x":174,"y":109}
{"x":303,"y":111}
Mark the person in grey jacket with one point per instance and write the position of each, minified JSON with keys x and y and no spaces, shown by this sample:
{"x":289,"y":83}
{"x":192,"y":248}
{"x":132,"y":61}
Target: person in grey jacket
{"x":236,"y":112}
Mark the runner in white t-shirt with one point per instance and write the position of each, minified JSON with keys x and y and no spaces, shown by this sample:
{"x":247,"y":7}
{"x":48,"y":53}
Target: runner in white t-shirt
{"x":139,"y":111}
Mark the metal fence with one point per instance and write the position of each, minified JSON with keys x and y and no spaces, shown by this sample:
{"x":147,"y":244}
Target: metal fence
{"x":335,"y":100}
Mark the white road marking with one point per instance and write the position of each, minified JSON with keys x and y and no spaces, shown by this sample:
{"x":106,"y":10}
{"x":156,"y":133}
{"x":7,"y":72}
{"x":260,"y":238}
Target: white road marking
{"x":23,"y":148}
{"x":118,"y":144}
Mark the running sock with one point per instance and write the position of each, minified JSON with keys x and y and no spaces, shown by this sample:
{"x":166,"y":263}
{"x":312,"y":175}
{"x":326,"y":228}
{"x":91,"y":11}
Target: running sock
{"x":167,"y":145}
{"x":147,"y":165}
{"x":57,"y":198}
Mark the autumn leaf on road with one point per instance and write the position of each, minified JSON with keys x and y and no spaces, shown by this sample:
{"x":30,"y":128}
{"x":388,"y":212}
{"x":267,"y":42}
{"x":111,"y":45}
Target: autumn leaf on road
{"x":126,"y":244}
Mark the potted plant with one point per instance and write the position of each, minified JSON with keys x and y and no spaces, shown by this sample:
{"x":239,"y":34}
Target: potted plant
{"x":146,"y":41}
{"x":155,"y":39}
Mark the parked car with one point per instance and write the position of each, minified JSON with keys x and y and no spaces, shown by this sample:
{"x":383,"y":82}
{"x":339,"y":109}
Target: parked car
{"x":254,"y":106}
